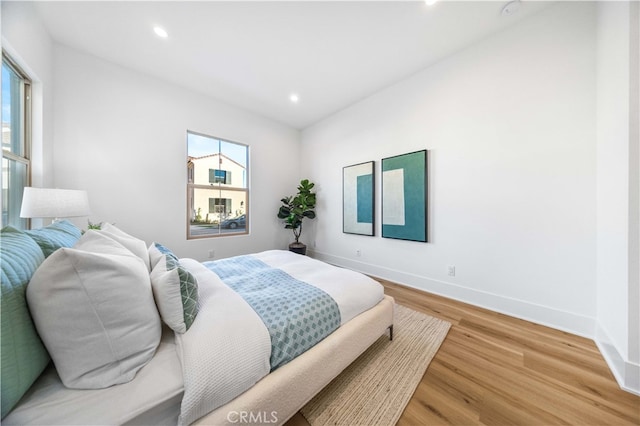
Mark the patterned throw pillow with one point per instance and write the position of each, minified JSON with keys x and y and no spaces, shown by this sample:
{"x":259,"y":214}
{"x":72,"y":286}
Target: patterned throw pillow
{"x":156,"y":251}
{"x":176,"y":293}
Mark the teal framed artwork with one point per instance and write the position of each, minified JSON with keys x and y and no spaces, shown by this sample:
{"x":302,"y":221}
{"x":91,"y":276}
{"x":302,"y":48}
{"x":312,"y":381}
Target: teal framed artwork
{"x":404,"y":196}
{"x":358,"y":199}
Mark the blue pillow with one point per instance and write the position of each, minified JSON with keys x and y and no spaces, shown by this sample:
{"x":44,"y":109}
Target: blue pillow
{"x":157,"y":252}
{"x":24,"y":356}
{"x":57,"y":235}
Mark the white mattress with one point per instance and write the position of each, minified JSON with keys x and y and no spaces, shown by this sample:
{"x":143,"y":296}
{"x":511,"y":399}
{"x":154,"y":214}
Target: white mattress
{"x":152,"y":398}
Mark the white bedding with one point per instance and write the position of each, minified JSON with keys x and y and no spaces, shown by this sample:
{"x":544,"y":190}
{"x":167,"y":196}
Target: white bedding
{"x":224,"y":353}
{"x":353,"y":292}
{"x":227,"y":349}
{"x":141,"y":401}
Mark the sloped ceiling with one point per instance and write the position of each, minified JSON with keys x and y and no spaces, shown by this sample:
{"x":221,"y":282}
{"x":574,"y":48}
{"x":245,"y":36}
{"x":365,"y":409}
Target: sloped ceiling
{"x":255,"y":54}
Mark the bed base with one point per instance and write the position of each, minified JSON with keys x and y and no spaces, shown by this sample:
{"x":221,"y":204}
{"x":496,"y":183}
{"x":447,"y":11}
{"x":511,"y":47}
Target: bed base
{"x":279,"y":395}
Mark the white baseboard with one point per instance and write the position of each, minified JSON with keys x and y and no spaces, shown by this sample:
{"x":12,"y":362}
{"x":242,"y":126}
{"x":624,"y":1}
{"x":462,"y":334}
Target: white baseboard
{"x":627,"y":374}
{"x":544,"y":315}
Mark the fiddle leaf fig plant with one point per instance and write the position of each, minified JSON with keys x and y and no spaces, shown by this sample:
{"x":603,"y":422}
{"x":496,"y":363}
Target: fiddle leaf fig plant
{"x":297,"y":207}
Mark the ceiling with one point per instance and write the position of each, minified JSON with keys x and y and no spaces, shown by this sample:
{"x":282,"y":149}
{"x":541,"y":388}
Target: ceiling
{"x":254,"y":55}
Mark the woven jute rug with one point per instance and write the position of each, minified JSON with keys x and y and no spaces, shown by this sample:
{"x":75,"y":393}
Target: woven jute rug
{"x":376,"y":387}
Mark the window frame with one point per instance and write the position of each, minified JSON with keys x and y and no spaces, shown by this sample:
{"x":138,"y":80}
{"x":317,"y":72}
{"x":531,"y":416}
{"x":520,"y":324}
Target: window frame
{"x":26,"y":131}
{"x":219,"y":187}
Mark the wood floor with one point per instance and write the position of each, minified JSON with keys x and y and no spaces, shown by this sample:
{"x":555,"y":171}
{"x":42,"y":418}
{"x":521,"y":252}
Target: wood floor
{"x":493,"y":369}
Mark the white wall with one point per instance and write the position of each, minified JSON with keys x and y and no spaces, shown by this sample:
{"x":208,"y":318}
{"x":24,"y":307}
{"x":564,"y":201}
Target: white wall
{"x":536,"y":226}
{"x":26,"y":40}
{"x":122,"y":136}
{"x":618,"y":302}
{"x":510,"y":128}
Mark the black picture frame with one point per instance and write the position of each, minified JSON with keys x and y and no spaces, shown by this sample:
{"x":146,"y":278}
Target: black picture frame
{"x":404,"y":196}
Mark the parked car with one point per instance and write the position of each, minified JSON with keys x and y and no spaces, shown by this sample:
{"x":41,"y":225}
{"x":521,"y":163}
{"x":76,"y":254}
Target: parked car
{"x":234,"y":222}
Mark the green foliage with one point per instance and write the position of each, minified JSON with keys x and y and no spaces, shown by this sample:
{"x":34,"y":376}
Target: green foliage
{"x":295,"y":208}
{"x":91,"y":225}
{"x":96,"y":226}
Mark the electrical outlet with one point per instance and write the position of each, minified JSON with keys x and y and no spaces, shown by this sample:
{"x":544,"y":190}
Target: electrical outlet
{"x":358,"y":253}
{"x":211,"y":254}
{"x":451,"y":269}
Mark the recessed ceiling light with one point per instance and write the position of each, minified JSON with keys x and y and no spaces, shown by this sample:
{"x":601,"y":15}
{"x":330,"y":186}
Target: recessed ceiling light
{"x":294,"y":98}
{"x":430,"y":2}
{"x":160,"y":32}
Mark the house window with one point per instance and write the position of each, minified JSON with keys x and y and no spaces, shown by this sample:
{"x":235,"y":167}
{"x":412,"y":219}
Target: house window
{"x":220,"y":206}
{"x":220,"y":176}
{"x":217,"y":187}
{"x":16,"y":141}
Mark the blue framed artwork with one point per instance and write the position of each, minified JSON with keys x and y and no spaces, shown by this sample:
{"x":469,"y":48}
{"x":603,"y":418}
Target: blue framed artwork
{"x":358,"y":197}
{"x":404,"y":196}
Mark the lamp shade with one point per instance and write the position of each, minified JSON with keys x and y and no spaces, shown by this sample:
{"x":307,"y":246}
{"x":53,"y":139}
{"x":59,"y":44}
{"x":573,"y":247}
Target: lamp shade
{"x":56,"y":203}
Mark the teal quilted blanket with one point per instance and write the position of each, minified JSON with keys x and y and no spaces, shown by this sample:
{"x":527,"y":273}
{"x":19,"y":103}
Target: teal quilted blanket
{"x":297,"y":315}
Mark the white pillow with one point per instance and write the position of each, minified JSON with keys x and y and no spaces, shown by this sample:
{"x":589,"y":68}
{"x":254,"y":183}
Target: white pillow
{"x":135,"y":245}
{"x":93,"y":308}
{"x":176,"y":293}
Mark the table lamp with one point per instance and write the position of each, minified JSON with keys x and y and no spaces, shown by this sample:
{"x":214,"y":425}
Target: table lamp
{"x":55,"y":203}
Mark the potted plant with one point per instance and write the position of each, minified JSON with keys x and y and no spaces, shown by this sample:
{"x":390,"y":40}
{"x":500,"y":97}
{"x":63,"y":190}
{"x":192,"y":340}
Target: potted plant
{"x":294,"y":209}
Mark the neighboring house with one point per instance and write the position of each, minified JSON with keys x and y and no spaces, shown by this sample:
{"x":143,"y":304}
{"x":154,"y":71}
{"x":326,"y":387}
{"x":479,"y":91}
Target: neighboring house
{"x":216,"y":204}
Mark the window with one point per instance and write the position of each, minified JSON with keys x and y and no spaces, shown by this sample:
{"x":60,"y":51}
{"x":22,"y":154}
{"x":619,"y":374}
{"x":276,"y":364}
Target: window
{"x":219,"y":176}
{"x":220,"y":205}
{"x":217,"y":187}
{"x":16,"y":139}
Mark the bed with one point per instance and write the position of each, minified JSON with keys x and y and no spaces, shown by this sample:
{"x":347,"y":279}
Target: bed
{"x":212,"y":361}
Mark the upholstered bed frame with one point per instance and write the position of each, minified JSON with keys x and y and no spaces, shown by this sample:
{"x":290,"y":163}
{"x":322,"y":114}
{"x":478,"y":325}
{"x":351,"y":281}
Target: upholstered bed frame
{"x":289,"y":388}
